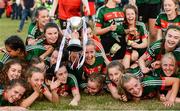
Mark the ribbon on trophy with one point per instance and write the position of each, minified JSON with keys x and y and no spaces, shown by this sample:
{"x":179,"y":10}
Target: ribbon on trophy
{"x":68,"y":31}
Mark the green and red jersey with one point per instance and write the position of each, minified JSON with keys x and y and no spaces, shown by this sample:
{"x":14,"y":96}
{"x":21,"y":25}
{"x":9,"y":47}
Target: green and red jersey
{"x":162,"y":21}
{"x":151,"y":85}
{"x":154,"y":52}
{"x":142,"y":33}
{"x":83,"y":73}
{"x":136,"y":72}
{"x":160,"y":73}
{"x":71,"y":84}
{"x":98,"y":67}
{"x":34,"y":31}
{"x":32,"y":51}
{"x":106,"y":16}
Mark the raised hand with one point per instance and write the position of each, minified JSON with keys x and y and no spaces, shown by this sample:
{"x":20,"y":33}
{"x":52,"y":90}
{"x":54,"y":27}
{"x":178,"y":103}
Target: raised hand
{"x":37,"y":88}
{"x":112,"y":27}
{"x":156,"y":64}
{"x":54,"y":84}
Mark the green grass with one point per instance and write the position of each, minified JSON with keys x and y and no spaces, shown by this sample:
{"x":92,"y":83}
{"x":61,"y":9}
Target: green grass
{"x":104,"y":102}
{"x":9,"y":27}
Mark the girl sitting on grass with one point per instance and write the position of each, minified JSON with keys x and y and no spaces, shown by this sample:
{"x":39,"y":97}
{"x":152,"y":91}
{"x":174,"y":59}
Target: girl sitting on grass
{"x":37,"y":88}
{"x":148,"y":87}
{"x":13,"y":69}
{"x":136,"y":36}
{"x":12,"y":94}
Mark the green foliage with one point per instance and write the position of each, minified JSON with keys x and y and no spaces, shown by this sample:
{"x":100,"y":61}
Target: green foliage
{"x":103,"y":102}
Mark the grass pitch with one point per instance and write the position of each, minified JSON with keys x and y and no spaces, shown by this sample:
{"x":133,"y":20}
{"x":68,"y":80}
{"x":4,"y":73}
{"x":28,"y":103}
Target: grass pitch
{"x":103,"y":102}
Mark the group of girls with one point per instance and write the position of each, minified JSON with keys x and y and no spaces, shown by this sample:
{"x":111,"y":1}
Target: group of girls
{"x":135,"y":72}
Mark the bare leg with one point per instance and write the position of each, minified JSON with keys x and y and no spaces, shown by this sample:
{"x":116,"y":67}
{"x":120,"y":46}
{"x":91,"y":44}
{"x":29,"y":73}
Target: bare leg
{"x":126,"y":61}
{"x":152,"y":30}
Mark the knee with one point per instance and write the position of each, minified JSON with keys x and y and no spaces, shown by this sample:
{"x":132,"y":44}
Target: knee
{"x":134,"y":55}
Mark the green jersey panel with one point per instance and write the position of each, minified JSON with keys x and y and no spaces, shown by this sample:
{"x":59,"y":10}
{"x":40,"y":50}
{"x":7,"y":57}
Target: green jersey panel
{"x":162,"y":21}
{"x":106,"y":16}
{"x":34,"y":51}
{"x":151,"y":84}
{"x":33,"y":31}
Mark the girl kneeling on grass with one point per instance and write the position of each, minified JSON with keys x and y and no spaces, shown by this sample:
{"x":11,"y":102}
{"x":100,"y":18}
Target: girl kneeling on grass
{"x":12,"y":94}
{"x":37,"y":88}
{"x":148,"y":87}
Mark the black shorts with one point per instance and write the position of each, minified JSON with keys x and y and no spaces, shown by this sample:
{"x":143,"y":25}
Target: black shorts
{"x":107,"y":42}
{"x":63,"y":23}
{"x":146,"y":11}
